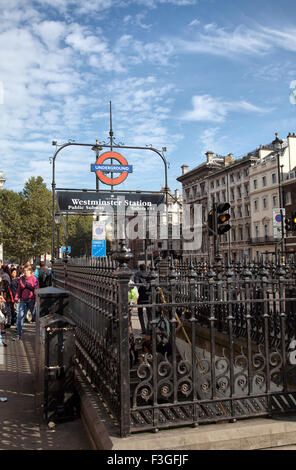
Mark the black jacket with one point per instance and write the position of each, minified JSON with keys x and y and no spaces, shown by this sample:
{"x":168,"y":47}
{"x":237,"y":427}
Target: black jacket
{"x":142,"y":281}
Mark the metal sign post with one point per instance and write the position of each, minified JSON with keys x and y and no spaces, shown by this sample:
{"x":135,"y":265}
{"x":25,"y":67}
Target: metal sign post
{"x":124,"y":171}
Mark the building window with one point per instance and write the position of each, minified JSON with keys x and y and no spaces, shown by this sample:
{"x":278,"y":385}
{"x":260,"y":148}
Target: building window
{"x":223,"y":179}
{"x":233,"y":235}
{"x":273,"y":176}
{"x":240,"y":231}
{"x":247,"y":210}
{"x":232,"y":213}
{"x":239,"y":176}
{"x":212,"y":184}
{"x":247,"y":172}
{"x":218,"y":197}
{"x":274,"y":201}
{"x":264,"y":180}
{"x":288,"y":198}
{"x":248,"y":233}
{"x":255,"y":184}
{"x":224,"y":196}
{"x":247,"y":189}
{"x":256,"y":205}
{"x":240,"y":212}
{"x":231,"y":178}
{"x":217,"y":183}
{"x":265,"y":230}
{"x":257,"y":231}
{"x":232,"y":194}
{"x":264,"y":203}
{"x":239,"y":192}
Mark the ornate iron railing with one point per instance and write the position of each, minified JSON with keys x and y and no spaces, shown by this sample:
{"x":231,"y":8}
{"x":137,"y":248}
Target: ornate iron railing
{"x":231,"y":350}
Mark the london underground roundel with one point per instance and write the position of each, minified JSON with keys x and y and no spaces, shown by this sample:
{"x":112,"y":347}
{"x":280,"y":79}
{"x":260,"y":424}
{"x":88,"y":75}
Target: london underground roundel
{"x":123,"y":168}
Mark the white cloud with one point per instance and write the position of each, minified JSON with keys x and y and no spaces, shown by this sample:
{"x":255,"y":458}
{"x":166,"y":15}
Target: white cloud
{"x":207,"y":108}
{"x":137,"y":20}
{"x":194,"y":22}
{"x":50,"y":32}
{"x":218,"y":41}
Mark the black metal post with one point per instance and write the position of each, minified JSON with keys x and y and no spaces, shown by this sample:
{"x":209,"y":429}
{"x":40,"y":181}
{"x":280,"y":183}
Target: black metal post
{"x":160,"y":154}
{"x":123,"y":275}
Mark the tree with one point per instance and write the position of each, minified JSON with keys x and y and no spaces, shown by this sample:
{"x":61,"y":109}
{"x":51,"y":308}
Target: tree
{"x":25,"y":220}
{"x":80,"y":235}
{"x":12,"y":229}
{"x":37,"y":211}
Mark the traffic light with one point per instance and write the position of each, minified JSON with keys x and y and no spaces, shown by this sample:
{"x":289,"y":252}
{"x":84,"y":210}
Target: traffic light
{"x":222,"y":217}
{"x":293,"y":222}
{"x":288,"y":224}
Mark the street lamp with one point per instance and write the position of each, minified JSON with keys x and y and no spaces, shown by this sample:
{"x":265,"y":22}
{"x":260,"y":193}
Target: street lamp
{"x":57,"y":220}
{"x":277,"y":144}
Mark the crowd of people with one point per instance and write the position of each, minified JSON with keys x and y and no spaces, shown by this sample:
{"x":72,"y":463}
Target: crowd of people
{"x":18,"y":285}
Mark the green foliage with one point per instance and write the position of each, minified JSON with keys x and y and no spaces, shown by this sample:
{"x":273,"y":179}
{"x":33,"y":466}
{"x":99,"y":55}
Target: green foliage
{"x":25,"y":220}
{"x":80,"y":235}
{"x":25,"y":224}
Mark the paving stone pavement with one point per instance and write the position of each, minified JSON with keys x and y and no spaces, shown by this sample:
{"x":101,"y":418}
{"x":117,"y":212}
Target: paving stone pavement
{"x":21,"y":426}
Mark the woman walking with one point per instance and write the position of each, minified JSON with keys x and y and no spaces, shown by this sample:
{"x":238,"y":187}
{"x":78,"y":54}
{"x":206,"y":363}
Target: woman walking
{"x":25,"y":297}
{"x":13,"y":286}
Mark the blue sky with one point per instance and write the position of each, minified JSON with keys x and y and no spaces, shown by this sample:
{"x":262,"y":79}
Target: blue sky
{"x":188,"y":75}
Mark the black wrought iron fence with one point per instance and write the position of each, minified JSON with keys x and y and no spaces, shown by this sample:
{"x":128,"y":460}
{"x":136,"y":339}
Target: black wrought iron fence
{"x":229,"y":351}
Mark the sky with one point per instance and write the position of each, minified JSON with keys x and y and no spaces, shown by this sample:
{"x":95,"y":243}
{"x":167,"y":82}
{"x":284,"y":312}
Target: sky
{"x":187,"y":75}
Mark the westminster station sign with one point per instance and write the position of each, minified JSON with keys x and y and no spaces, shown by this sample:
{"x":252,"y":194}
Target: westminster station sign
{"x":86,"y":202}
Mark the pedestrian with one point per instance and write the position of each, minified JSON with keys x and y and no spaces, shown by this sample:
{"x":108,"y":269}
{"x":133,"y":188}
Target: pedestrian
{"x":5,"y":273}
{"x":133,"y":293}
{"x":26,"y":297}
{"x":3,"y":310}
{"x":142,"y":282}
{"x":2,"y":317}
{"x":35,"y":270}
{"x":13,"y":286}
{"x":21,"y":270}
{"x":6,"y":294}
{"x":44,"y":276}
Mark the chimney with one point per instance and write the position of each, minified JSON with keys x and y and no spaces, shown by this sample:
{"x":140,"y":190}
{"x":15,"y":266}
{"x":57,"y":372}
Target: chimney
{"x":229,"y":159}
{"x":184,"y":169}
{"x":210,"y":156}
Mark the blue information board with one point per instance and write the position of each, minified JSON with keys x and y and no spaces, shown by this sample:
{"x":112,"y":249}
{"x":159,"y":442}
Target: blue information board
{"x":63,"y":249}
{"x":98,"y":248}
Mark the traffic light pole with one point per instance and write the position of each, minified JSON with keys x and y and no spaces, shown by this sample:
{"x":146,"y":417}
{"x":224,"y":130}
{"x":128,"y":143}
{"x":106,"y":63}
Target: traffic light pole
{"x":215,"y":231}
{"x":216,"y":219}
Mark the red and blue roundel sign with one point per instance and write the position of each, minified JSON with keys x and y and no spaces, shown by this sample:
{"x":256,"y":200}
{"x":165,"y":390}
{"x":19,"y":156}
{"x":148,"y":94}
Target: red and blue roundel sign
{"x":100,"y":168}
{"x":278,"y":218}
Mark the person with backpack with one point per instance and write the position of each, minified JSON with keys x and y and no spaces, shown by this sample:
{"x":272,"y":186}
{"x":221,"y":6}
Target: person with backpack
{"x":25,"y":297}
{"x":44,"y":276}
{"x":142,"y":282}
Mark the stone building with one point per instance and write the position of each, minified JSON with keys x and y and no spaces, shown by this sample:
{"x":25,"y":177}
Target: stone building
{"x":251,"y":186}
